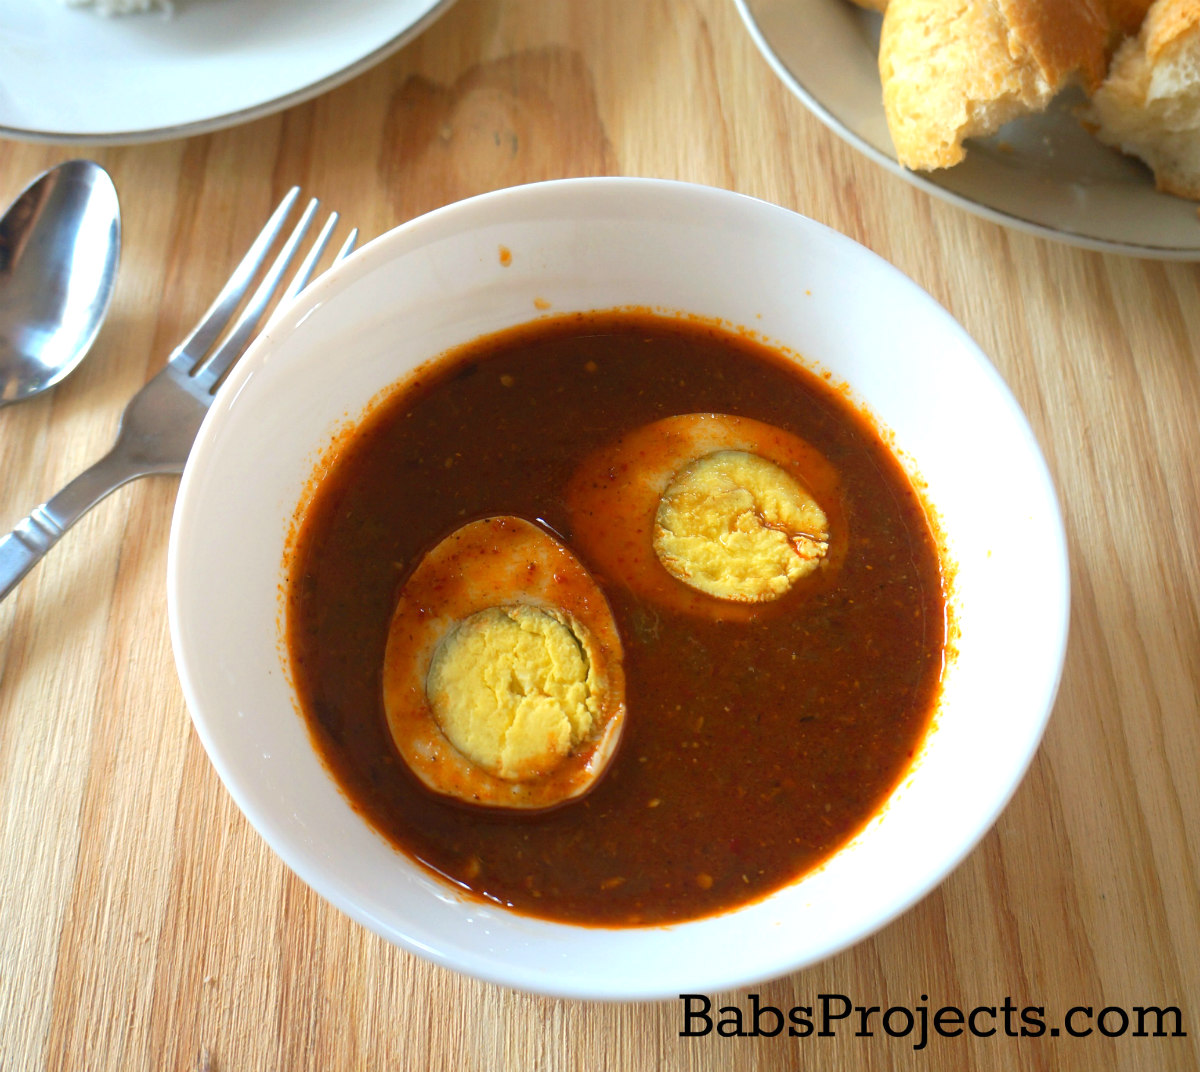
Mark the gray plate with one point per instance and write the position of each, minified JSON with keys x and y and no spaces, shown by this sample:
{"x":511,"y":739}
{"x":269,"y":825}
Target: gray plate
{"x":1043,"y":174}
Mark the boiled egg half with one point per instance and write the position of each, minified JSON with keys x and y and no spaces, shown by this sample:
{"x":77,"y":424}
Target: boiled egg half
{"x":502,"y":681}
{"x":713,"y":514}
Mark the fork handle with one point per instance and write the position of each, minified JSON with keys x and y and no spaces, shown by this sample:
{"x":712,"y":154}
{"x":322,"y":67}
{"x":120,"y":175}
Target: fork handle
{"x":34,"y":535}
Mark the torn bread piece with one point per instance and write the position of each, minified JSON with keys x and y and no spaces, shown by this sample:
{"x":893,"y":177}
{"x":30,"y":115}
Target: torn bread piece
{"x":958,"y":69}
{"x":1149,"y":106}
{"x":1125,"y":17}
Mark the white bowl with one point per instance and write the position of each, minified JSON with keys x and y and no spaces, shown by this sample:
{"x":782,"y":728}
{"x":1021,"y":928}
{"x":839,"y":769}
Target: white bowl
{"x":578,"y":244}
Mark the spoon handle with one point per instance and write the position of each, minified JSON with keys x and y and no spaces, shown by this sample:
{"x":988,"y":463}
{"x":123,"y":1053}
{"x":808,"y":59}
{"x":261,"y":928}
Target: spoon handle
{"x":34,"y":535}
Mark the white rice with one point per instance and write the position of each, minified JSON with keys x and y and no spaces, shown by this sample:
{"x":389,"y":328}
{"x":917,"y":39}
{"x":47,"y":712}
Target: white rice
{"x":121,"y":7}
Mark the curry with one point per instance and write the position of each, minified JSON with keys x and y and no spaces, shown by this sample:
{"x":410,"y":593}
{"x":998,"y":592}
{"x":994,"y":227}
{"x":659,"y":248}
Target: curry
{"x":755,"y":743}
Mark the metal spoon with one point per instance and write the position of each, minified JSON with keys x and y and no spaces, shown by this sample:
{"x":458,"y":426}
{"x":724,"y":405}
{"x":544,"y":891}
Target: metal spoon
{"x":59,"y":245}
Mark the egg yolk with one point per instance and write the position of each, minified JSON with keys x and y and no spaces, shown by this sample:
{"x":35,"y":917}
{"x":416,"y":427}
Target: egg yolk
{"x":738,"y":527}
{"x":513,"y":690}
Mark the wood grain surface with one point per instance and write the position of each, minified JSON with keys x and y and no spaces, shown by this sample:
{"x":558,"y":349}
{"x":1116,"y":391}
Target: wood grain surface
{"x":145,"y":925}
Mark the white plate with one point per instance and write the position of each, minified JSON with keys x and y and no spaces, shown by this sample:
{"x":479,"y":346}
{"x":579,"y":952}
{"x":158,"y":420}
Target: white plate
{"x":439,"y":281}
{"x":69,"y":74}
{"x":1043,"y":174}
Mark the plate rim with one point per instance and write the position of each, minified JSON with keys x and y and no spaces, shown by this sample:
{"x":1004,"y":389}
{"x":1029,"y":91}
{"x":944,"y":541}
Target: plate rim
{"x":818,"y":109}
{"x":238,"y":116}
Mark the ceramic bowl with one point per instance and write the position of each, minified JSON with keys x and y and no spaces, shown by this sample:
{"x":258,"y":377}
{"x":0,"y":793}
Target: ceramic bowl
{"x":582,"y":244}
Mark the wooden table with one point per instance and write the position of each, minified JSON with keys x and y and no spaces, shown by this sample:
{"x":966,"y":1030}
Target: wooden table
{"x":145,"y":925}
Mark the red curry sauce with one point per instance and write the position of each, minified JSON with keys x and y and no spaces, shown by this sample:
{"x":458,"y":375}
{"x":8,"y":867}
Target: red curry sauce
{"x":752,"y":749}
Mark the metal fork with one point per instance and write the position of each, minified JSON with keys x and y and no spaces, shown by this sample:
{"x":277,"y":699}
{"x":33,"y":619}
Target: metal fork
{"x":160,"y":422}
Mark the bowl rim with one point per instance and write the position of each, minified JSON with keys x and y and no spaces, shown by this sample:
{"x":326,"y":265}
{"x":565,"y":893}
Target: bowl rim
{"x":381,"y":250}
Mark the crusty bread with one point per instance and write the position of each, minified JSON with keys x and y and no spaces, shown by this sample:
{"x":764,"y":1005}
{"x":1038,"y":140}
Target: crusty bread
{"x":956,"y":69}
{"x":1126,"y":17}
{"x":1149,"y":105}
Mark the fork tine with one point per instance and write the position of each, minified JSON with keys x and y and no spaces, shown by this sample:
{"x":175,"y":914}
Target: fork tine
{"x":304,"y":272}
{"x":347,"y":246}
{"x":300,"y":279}
{"x":210,"y":373}
{"x":218,"y":315}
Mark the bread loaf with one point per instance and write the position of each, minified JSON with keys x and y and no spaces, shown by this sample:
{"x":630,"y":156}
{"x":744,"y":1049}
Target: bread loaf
{"x":957,"y":69}
{"x":1149,"y":105}
{"x":1124,"y":16}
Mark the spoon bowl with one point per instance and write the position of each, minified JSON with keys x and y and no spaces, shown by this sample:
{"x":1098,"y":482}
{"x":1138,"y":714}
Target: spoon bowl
{"x":60,"y":241}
